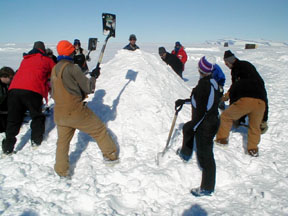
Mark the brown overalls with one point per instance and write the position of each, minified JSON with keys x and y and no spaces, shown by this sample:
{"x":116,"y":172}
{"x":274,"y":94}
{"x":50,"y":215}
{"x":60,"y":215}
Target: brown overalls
{"x":70,"y":114}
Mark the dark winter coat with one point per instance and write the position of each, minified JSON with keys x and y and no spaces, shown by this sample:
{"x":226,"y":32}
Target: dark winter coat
{"x":204,"y":99}
{"x":33,"y":73}
{"x":3,"y":106}
{"x":249,"y":88}
{"x":131,"y":47}
{"x":244,"y":70}
{"x":80,"y":59}
{"x":175,"y":63}
{"x":3,"y":97}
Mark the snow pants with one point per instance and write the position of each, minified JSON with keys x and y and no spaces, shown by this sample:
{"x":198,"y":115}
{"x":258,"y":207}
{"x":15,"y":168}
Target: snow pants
{"x":252,"y":107}
{"x":204,"y":136}
{"x":86,"y":121}
{"x":19,"y":101}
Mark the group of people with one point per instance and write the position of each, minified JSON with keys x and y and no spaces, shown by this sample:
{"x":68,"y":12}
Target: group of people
{"x":176,"y":59}
{"x":248,"y":97}
{"x":40,"y":72}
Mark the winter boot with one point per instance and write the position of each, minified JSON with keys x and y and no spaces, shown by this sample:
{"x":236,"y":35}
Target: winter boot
{"x":198,"y":192}
{"x":111,"y":159}
{"x":7,"y":148}
{"x":35,"y":144}
{"x":253,"y":152}
{"x":221,"y":142}
{"x":184,"y":157}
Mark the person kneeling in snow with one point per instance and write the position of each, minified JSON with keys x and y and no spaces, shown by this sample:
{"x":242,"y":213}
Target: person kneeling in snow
{"x":204,"y":125}
{"x":69,"y":88}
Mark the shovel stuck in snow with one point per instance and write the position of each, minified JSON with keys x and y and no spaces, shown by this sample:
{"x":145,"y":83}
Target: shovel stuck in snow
{"x":161,"y":154}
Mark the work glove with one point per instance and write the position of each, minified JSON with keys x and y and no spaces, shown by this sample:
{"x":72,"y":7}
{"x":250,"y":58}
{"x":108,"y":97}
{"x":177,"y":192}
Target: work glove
{"x":178,"y":103}
{"x":95,"y":72}
{"x":263,"y":127}
{"x":225,"y":97}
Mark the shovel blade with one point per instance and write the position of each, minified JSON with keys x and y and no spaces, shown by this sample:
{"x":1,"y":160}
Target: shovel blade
{"x":109,"y":24}
{"x":131,"y":75}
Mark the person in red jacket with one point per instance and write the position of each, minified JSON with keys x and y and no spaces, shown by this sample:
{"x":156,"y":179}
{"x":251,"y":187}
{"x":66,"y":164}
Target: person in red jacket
{"x":180,"y":53}
{"x":26,"y":92}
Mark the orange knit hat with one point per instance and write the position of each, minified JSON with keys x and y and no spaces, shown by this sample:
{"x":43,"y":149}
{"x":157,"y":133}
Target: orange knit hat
{"x":65,"y":48}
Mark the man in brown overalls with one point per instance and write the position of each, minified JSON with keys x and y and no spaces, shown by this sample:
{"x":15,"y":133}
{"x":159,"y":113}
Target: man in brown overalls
{"x":69,"y":88}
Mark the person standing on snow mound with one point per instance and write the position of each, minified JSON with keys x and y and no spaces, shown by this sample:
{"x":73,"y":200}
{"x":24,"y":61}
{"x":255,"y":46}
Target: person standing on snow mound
{"x":26,"y":92}
{"x":171,"y":60}
{"x":132,"y":43}
{"x":69,"y":88}
{"x":203,"y":126}
{"x":180,"y":53}
{"x":81,"y":57}
{"x":248,"y":96}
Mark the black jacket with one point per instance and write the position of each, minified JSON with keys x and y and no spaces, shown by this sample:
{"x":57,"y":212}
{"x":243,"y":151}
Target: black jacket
{"x":131,"y":47}
{"x":3,"y":97}
{"x":251,"y":85}
{"x":205,"y":100}
{"x":245,"y":70}
{"x":175,"y":63}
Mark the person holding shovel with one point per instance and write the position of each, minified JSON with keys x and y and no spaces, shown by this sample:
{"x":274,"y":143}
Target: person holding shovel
{"x":203,"y":126}
{"x":69,"y":88}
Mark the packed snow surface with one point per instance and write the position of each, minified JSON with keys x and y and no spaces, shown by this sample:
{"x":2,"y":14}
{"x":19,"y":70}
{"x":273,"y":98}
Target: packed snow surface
{"x":135,"y":97}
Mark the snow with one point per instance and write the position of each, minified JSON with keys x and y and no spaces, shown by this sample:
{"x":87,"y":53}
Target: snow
{"x":135,"y":97}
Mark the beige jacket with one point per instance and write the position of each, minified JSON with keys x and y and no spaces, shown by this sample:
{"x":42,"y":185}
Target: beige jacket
{"x":74,"y":81}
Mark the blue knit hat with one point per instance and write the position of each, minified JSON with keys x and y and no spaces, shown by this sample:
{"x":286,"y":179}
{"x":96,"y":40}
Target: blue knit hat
{"x":178,"y":44}
{"x":205,"y":66}
{"x":77,"y":41}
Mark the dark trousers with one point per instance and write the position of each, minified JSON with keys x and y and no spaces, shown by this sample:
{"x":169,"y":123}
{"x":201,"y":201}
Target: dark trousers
{"x":19,"y":101}
{"x":204,"y":142}
{"x":3,"y":122}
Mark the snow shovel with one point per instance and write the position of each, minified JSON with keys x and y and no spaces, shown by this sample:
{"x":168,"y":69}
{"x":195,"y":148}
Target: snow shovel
{"x":92,"y":44}
{"x":109,"y":25}
{"x":161,"y":154}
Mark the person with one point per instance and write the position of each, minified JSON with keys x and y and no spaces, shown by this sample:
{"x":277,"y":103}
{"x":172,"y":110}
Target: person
{"x":69,"y":88}
{"x":171,"y":60}
{"x":6,"y":76}
{"x":244,"y":69}
{"x":132,"y":43}
{"x":220,"y":78}
{"x":81,"y":57}
{"x":180,"y":53}
{"x":203,"y":126}
{"x":50,"y":54}
{"x":247,"y":96}
{"x":26,"y":92}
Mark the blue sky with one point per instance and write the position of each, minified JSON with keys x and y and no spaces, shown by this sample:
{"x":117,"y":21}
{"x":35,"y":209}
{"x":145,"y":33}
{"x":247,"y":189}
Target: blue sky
{"x":188,"y":21}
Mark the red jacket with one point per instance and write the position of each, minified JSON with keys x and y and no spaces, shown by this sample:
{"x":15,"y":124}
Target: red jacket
{"x":33,"y":73}
{"x":181,"y":55}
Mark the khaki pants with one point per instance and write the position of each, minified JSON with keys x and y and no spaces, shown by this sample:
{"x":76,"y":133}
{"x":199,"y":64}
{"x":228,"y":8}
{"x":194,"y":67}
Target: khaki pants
{"x":87,"y":122}
{"x":252,"y":107}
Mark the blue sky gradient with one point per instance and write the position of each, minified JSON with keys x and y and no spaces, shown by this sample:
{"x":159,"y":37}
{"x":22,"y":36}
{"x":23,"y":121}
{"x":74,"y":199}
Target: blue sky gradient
{"x":153,"y":21}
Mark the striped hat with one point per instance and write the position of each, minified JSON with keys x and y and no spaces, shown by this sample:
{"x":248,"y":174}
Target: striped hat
{"x":205,"y":66}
